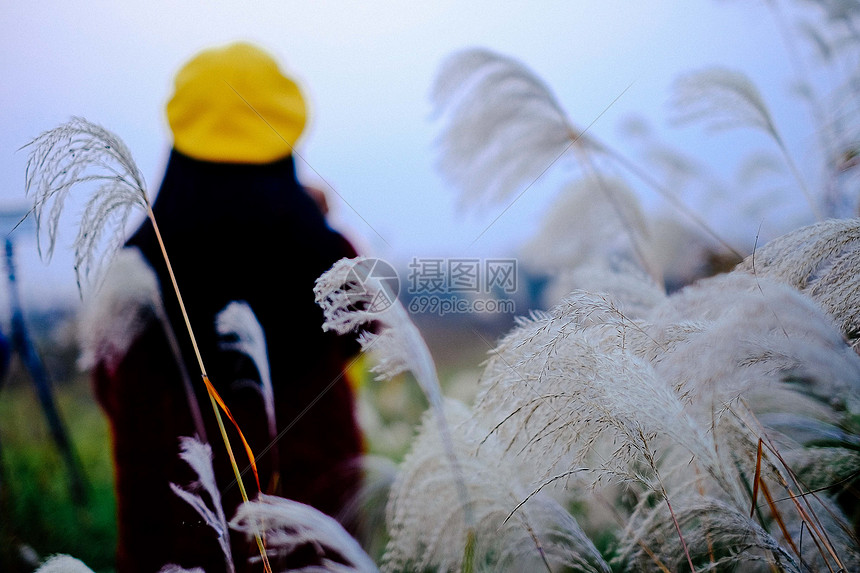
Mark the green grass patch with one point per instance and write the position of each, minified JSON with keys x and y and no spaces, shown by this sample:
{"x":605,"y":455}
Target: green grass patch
{"x":35,"y":500}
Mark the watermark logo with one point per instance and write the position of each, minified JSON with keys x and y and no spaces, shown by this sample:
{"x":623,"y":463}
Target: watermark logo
{"x":445,"y":276}
{"x":443,"y":286}
{"x":374,"y":275}
{"x":438,"y":286}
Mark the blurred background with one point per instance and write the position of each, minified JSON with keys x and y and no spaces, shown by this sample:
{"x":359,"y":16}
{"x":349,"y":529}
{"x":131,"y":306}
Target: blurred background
{"x":366,"y":69}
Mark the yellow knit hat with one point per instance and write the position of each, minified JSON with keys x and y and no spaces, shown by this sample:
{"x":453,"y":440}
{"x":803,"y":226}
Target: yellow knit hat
{"x":233,"y":104}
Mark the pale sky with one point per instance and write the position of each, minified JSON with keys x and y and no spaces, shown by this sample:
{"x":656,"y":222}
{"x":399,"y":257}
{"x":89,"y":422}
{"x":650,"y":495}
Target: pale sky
{"x":366,"y":68}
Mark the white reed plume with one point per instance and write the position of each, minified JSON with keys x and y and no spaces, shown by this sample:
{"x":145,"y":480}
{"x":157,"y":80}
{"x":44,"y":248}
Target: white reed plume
{"x":199,"y":456}
{"x":821,"y":261}
{"x":63,"y":564}
{"x":728,"y":99}
{"x":563,"y":386}
{"x":632,"y":291}
{"x":763,"y":361}
{"x":723,"y":98}
{"x":738,"y":337}
{"x":592,"y":220}
{"x":796,"y":257}
{"x":177,"y":569}
{"x":673,"y":401}
{"x":769,"y":333}
{"x":425,"y":514}
{"x":717,"y":533}
{"x":80,"y":152}
{"x":129,"y":300}
{"x":353,"y":296}
{"x":506,"y":127}
{"x":289,"y":525}
{"x":241,"y":332}
{"x":580,"y":406}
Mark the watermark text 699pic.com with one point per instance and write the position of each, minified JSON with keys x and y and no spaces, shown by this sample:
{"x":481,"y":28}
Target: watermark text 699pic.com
{"x":443,"y":286}
{"x":442,"y":305}
{"x":440,"y":286}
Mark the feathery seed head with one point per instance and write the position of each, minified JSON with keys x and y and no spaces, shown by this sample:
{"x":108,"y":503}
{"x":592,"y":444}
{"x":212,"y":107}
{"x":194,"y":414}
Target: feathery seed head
{"x":129,"y":298}
{"x":288,"y":525}
{"x":76,"y":154}
{"x":505,"y":125}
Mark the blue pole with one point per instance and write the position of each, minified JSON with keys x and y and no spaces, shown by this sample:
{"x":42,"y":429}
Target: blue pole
{"x":22,"y":344}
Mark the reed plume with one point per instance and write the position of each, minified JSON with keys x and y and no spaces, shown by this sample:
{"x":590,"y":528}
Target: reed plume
{"x":425,"y":532}
{"x":199,"y":456}
{"x":82,"y":153}
{"x":716,"y":408}
{"x":288,"y":525}
{"x":63,"y":564}
{"x":240,"y":331}
{"x":353,"y":297}
{"x":505,"y":129}
{"x":592,"y":221}
{"x":129,"y":301}
{"x":79,"y":153}
{"x":819,"y":260}
{"x":727,"y":99}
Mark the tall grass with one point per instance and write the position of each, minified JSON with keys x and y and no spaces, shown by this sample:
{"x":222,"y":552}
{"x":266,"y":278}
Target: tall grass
{"x":692,"y":420}
{"x":671,"y":406}
{"x":350,"y":304}
{"x":39,"y":516}
{"x":80,"y":153}
{"x":287,"y":526}
{"x":624,"y":428}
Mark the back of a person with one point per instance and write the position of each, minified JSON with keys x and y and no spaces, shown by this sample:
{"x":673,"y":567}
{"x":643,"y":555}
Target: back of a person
{"x":236,"y":228}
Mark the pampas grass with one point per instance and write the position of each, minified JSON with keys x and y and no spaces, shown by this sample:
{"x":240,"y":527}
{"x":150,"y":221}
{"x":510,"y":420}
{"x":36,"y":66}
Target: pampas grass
{"x":82,"y":153}
{"x":592,"y":221}
{"x":289,"y":525}
{"x":706,"y":523}
{"x":505,"y":129}
{"x":351,"y":298}
{"x":199,"y":456}
{"x":63,"y":564}
{"x":728,"y":99}
{"x":821,"y":261}
{"x":539,"y":536}
{"x":76,"y":154}
{"x":129,"y":300}
{"x":632,"y":291}
{"x":240,"y":331}
{"x":699,"y":421}
{"x":724,"y":99}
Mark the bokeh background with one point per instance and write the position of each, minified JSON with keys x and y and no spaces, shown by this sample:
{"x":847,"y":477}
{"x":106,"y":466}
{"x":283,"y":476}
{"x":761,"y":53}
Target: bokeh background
{"x":367,"y":68}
